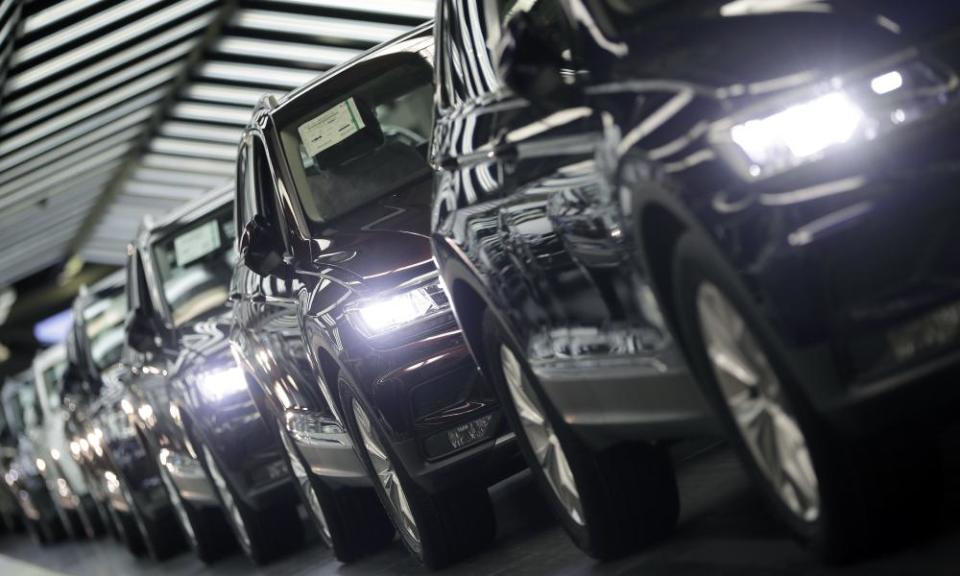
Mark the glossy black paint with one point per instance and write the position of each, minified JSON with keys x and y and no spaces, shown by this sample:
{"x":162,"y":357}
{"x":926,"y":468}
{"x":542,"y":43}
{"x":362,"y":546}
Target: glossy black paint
{"x":180,"y":418}
{"x":293,"y":327}
{"x":526,"y":224}
{"x":850,"y":256}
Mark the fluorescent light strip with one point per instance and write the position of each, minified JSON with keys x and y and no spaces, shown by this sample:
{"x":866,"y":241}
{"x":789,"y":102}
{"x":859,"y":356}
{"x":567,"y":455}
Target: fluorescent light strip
{"x":163,"y":191}
{"x":118,"y":79}
{"x":285,"y":51}
{"x":202,"y":165}
{"x":223,"y":94}
{"x":67,"y":83}
{"x":317,"y":26}
{"x":82,"y":28}
{"x":105,"y":43}
{"x":76,"y":145}
{"x":66,"y":161}
{"x":192,"y":148}
{"x":55,"y":13}
{"x":134,"y":111}
{"x":58,"y":123}
{"x":212,"y":113}
{"x":94,"y":179}
{"x":257,"y":74}
{"x":206,"y":181}
{"x":421,"y":9}
{"x":99,"y":162}
{"x":196,"y":131}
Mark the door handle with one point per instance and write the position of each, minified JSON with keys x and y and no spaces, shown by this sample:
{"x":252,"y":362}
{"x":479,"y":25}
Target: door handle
{"x":258,"y":297}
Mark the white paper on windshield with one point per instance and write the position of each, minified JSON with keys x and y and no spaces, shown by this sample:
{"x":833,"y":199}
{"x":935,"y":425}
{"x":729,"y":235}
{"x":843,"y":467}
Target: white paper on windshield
{"x":197,"y":243}
{"x":331,"y":127}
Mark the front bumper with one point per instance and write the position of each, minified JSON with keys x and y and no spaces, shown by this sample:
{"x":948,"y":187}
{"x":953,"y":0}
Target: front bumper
{"x":609,"y":399}
{"x":189,"y":478}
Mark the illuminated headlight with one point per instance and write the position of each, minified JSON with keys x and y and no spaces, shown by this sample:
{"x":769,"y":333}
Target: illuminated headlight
{"x":787,"y":138}
{"x":219,"y":384}
{"x":803,"y":127}
{"x":391,"y":312}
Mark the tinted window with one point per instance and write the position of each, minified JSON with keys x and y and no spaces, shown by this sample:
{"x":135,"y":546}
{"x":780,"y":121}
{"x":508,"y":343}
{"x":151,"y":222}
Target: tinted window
{"x":194,"y":266}
{"x":364,"y":143}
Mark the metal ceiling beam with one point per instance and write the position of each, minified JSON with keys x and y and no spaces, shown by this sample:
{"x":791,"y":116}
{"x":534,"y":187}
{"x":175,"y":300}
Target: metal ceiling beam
{"x":302,"y":53}
{"x":417,"y":9}
{"x":112,"y":81}
{"x":56,"y":13}
{"x":223,"y":94}
{"x":67,"y":83}
{"x":202,"y":165}
{"x":275,"y":76}
{"x":222,"y":15}
{"x":137,"y":106}
{"x":104,"y":44}
{"x":35,"y":190}
{"x":124,"y":129}
{"x":344,"y":29}
{"x":79,"y":113}
{"x":10,"y":13}
{"x":80,"y":29}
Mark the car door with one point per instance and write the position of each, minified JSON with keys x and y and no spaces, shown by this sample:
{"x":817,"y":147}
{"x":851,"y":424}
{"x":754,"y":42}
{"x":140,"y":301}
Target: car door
{"x":269,"y":336}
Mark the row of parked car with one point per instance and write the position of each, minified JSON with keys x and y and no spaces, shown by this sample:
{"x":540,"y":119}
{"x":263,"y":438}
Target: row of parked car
{"x":547,"y":235}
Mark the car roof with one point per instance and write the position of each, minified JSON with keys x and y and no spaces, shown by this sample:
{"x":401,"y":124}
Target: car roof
{"x":191,"y":212}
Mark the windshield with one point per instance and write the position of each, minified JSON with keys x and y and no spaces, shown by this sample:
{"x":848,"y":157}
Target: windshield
{"x":103,"y":324}
{"x":195,"y":264}
{"x":365,"y":144}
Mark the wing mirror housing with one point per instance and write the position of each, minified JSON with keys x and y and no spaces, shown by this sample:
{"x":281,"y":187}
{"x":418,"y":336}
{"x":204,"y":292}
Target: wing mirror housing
{"x":140,"y":332}
{"x":528,"y":63}
{"x":261,"y":248}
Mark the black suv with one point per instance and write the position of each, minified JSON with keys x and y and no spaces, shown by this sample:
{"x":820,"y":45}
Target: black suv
{"x":780,"y":180}
{"x":333,"y":199}
{"x":218,"y":459}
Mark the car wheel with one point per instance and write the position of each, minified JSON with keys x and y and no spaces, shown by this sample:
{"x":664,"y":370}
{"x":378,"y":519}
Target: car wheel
{"x":437,"y":528}
{"x":263,"y":535}
{"x":158,"y":536}
{"x":844,"y":496}
{"x":205,"y":528}
{"x":596,"y":494}
{"x":350,"y":521}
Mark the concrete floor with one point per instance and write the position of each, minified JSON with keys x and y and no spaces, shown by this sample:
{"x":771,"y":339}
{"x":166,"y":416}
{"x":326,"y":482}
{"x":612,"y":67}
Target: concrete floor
{"x":723,"y":530}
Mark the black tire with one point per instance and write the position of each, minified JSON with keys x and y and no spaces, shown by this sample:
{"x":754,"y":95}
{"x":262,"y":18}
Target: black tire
{"x":159,"y":532}
{"x":271,"y":533}
{"x":877,"y":490}
{"x":353,"y":524}
{"x":628,"y":492}
{"x":206,"y":530}
{"x":452,"y":524}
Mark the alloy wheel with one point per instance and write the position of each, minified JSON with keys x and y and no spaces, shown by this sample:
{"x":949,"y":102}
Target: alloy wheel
{"x":306,"y":485}
{"x":178,"y":506}
{"x":542,"y":437}
{"x":387,"y":476}
{"x":230,"y":505}
{"x":755,"y":397}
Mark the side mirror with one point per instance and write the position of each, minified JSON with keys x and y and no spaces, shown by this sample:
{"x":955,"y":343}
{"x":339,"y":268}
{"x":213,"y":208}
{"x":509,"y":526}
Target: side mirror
{"x":261,"y":248}
{"x":528,"y":63}
{"x":141,"y":334}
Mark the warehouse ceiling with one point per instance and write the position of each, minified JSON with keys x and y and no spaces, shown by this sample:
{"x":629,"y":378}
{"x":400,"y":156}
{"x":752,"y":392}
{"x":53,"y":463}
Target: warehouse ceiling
{"x":111,"y":110}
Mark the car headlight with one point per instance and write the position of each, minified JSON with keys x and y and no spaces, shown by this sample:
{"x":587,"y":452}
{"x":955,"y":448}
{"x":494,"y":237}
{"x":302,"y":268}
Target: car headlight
{"x":216,"y":385}
{"x":802,"y":127}
{"x":375,"y":316}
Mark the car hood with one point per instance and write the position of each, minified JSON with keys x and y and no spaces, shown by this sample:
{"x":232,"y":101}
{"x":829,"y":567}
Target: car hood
{"x":382,"y":243}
